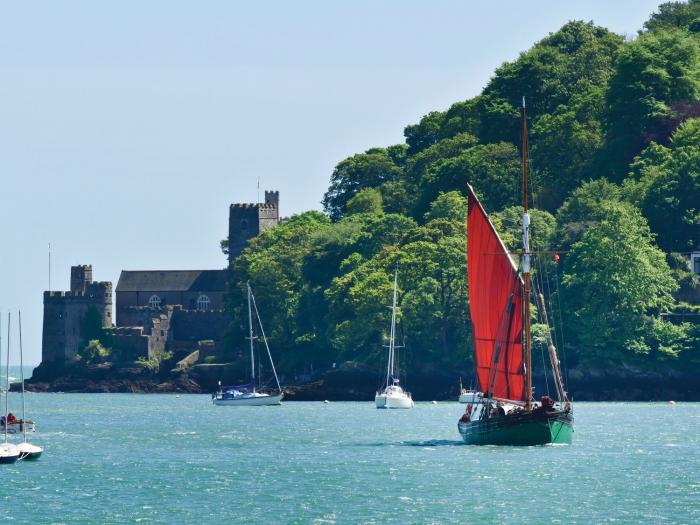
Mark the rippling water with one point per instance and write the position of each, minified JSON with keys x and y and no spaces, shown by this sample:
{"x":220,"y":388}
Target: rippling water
{"x":125,"y":458}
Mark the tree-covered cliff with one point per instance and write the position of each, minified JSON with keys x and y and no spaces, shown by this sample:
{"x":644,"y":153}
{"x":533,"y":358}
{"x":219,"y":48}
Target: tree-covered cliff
{"x":615,"y":162}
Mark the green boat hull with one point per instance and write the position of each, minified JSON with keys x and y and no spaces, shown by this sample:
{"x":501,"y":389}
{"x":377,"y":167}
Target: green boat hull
{"x":526,"y":429}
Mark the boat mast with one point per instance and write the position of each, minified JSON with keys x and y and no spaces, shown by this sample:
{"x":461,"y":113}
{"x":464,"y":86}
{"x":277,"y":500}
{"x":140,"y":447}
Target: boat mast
{"x":250,"y":330}
{"x":21,"y":375}
{"x":526,"y":268}
{"x":392,"y":334}
{"x":7,"y":374}
{"x":264,"y":338}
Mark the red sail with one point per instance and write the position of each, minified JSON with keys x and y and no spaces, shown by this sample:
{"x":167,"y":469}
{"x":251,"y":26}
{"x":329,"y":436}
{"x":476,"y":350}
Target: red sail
{"x":496,"y":307}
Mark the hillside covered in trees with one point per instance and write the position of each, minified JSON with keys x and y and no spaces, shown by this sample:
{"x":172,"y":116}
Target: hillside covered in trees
{"x":615,"y":161}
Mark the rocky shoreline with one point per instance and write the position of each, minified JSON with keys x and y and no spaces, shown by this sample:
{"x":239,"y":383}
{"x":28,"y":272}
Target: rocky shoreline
{"x":352,"y":382}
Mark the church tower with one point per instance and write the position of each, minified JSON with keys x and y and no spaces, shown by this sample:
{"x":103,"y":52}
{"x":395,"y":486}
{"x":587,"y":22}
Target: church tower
{"x":246,"y":221}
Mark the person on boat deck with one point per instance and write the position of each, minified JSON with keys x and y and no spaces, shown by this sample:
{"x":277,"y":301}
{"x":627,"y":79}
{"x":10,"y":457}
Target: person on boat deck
{"x":498,"y":410}
{"x":547,"y":403}
{"x":11,"y":419}
{"x":2,"y":420}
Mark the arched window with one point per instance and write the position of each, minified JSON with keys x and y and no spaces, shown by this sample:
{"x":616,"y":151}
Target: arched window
{"x":154,"y":301}
{"x":203,"y":303}
{"x":244,"y":225}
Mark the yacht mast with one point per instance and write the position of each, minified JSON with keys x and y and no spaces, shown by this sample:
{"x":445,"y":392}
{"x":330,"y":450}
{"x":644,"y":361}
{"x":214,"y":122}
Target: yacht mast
{"x":250,"y":337}
{"x":392,"y":334}
{"x":21,"y":375}
{"x":7,"y":373}
{"x":526,"y":268}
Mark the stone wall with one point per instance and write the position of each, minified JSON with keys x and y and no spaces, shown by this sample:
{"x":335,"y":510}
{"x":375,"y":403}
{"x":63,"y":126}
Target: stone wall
{"x":130,"y":343}
{"x":127,"y":301}
{"x":194,"y":326}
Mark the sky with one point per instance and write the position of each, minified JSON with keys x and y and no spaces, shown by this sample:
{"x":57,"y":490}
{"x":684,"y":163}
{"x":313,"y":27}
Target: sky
{"x":128,"y":127}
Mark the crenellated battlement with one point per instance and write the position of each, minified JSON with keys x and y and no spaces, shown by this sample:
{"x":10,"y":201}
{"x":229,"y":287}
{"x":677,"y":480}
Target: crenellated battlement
{"x":95,"y":290}
{"x":253,"y":205}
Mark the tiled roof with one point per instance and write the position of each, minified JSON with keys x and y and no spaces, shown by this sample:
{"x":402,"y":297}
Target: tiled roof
{"x":172,"y":281}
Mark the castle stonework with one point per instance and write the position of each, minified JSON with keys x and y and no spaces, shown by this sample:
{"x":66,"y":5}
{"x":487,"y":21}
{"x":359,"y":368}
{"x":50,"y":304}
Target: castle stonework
{"x":246,"y":221}
{"x":179,"y":310}
{"x":64,"y":313}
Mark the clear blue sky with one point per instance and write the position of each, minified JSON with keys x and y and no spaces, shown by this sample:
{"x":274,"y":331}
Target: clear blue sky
{"x":127,"y":128}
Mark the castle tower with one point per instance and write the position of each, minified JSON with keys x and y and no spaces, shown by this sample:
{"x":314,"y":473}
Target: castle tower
{"x":272,"y":198}
{"x":80,"y":277}
{"x":65,"y":313}
{"x":246,"y":221}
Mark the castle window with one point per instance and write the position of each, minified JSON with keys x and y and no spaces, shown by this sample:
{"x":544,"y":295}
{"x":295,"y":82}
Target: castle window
{"x":154,"y":301}
{"x":244,"y":225}
{"x":203,"y":303}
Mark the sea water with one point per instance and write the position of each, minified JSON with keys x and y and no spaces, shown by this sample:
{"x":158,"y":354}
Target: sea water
{"x":140,"y":458}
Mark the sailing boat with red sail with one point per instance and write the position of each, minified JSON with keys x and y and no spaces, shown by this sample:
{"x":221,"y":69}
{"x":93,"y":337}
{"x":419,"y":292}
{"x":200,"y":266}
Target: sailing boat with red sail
{"x":503,"y":411}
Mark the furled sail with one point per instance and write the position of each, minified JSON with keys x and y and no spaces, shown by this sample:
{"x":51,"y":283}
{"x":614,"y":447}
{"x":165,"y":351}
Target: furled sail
{"x":496,"y":307}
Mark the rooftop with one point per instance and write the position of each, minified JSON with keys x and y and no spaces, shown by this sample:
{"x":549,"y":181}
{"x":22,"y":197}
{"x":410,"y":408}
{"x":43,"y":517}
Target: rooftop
{"x":172,"y":280}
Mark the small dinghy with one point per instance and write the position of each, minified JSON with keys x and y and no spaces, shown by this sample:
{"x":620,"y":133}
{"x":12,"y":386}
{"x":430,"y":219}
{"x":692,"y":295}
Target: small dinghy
{"x":20,"y":426}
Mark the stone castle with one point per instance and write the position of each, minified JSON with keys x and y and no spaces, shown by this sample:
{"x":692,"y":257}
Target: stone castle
{"x":156,"y":310}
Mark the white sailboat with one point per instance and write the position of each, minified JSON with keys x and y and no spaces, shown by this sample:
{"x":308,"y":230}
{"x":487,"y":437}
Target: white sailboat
{"x":27,"y":451}
{"x":248,"y":394}
{"x":9,"y":453}
{"x":465,"y":396}
{"x":392,"y":395}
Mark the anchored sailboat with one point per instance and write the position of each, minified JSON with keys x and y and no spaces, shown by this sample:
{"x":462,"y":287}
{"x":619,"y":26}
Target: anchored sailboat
{"x":503,"y":411}
{"x":392,"y":395}
{"x":27,"y":451}
{"x":248,"y":394}
{"x":9,"y":453}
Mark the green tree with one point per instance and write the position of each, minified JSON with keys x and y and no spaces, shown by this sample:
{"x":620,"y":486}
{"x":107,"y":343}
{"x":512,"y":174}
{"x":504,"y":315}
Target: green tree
{"x":583,"y":210}
{"x":273,"y":264}
{"x":451,"y":205}
{"x":493,"y":170}
{"x":565,"y":144}
{"x":573,"y":60}
{"x":462,"y":117}
{"x":94,"y":353}
{"x":365,"y":170}
{"x":651,"y":74}
{"x":671,"y":15}
{"x":616,"y":282}
{"x":368,"y":200}
{"x":672,"y":201}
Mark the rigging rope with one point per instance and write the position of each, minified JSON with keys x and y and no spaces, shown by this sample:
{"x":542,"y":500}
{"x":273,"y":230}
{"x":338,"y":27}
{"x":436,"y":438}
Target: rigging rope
{"x":262,"y":331}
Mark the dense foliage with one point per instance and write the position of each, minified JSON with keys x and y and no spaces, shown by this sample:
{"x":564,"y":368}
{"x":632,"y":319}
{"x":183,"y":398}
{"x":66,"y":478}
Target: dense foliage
{"x":615,"y":164}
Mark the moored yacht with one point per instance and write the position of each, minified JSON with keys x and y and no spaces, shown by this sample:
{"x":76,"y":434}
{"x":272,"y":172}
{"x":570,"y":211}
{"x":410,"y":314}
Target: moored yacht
{"x":27,"y":451}
{"x":9,"y":453}
{"x":392,"y":395}
{"x":249,"y":394}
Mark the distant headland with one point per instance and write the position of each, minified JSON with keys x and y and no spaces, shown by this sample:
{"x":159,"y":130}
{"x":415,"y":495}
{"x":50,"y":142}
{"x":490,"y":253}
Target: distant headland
{"x":614,"y":226}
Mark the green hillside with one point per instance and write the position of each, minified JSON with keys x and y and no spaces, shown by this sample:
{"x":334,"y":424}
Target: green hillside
{"x":615,"y":161}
